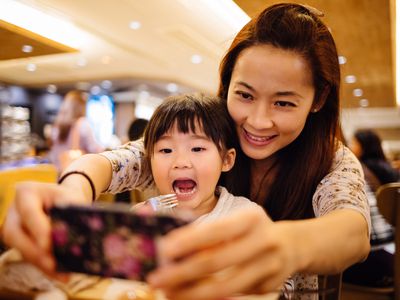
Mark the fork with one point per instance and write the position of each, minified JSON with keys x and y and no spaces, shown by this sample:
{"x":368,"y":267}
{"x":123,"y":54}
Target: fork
{"x":163,"y":202}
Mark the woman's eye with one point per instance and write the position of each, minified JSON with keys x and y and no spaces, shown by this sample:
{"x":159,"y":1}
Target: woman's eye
{"x":284,"y":104}
{"x":166,"y":150}
{"x":198,"y":149}
{"x":244,"y":95}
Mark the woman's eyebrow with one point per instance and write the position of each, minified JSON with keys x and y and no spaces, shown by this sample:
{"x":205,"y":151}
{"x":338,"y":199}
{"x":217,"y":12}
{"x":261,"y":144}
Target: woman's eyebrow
{"x":288,"y":93}
{"x":280,"y":93}
{"x":245,"y":85}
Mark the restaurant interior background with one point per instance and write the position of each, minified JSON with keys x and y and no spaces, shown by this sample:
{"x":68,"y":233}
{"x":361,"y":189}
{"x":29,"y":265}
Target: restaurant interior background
{"x":131,"y":54}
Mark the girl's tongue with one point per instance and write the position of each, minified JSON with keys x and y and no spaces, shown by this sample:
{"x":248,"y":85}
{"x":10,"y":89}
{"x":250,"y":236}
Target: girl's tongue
{"x":184,"y":187}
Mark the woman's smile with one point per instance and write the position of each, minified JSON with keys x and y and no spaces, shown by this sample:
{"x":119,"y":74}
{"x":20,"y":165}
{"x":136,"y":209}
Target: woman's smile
{"x":258,"y":140}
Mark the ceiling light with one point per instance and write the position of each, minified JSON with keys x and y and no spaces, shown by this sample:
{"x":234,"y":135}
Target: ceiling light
{"x":172,"y":87}
{"x":51,"y":88}
{"x":342,"y":59}
{"x":357,"y":92}
{"x":364,"y":103}
{"x":135,"y":25}
{"x":350,"y":79}
{"x":53,"y":28}
{"x":31,"y":67}
{"x":196,"y":59}
{"x":27,"y":48}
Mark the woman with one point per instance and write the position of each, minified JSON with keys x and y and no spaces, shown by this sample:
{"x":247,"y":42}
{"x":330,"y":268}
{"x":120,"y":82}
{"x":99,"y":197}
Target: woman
{"x":280,"y":80}
{"x":367,"y":146}
{"x":72,"y":135}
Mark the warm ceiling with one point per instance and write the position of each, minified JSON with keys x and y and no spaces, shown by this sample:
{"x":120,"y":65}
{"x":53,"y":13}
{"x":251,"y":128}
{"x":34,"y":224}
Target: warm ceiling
{"x":173,"y":30}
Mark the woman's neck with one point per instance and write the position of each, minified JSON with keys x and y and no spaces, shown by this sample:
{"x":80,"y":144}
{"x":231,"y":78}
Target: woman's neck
{"x":262,"y":175}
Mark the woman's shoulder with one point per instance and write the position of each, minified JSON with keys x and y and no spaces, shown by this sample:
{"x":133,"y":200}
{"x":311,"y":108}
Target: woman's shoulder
{"x":344,"y":160}
{"x":343,"y":186}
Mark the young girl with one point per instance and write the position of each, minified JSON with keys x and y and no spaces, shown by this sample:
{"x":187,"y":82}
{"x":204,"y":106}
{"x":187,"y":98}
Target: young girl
{"x":280,"y":81}
{"x":189,"y":141}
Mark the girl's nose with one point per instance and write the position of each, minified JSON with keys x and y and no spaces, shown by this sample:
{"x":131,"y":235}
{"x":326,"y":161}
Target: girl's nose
{"x":182,"y":161}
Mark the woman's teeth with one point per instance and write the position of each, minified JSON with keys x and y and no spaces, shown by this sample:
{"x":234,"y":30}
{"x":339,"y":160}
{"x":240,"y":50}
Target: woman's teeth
{"x":259,"y":139}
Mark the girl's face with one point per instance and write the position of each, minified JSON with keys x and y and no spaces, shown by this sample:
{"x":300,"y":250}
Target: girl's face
{"x":189,"y":164}
{"x":270,"y":96}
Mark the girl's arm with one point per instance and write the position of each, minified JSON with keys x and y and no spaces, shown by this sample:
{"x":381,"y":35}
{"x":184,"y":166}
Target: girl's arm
{"x":97,"y":168}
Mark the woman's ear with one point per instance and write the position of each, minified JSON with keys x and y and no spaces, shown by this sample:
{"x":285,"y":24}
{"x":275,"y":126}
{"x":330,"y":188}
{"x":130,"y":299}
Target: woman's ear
{"x":228,"y":160}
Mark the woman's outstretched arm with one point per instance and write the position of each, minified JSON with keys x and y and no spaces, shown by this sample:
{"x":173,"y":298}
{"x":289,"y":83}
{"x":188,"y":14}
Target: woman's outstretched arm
{"x":248,"y":253}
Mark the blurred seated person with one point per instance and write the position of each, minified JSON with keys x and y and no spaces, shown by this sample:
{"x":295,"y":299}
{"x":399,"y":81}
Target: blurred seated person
{"x":378,"y":269}
{"x":136,"y":129}
{"x":135,"y":132}
{"x":367,"y":146}
{"x":71,"y":134}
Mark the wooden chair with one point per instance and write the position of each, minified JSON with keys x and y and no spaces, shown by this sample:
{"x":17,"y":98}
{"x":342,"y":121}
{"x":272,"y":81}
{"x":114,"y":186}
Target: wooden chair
{"x":332,"y":285}
{"x":388,"y":200}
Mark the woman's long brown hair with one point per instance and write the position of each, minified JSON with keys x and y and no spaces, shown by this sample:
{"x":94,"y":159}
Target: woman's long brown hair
{"x":302,"y":164}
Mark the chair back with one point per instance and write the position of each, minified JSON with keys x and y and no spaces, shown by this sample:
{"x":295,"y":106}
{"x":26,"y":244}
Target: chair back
{"x":9,"y":178}
{"x":330,"y":286}
{"x":388,"y":200}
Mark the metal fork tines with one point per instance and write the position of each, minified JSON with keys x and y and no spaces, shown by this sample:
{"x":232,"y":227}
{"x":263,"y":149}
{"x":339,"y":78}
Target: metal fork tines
{"x":163,"y":202}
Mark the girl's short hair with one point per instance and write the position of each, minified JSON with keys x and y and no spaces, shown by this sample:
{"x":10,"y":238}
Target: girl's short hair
{"x":188,"y":112}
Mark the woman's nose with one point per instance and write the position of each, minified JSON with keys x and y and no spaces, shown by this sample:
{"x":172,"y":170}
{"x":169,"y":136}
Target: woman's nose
{"x":260,"y":117}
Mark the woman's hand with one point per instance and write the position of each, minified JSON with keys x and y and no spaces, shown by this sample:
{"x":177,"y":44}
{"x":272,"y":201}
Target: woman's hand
{"x":27,"y":227}
{"x":243,"y":253}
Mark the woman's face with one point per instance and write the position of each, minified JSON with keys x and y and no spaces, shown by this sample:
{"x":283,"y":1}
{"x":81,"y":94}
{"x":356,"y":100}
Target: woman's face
{"x":66,"y":112}
{"x":270,"y":96}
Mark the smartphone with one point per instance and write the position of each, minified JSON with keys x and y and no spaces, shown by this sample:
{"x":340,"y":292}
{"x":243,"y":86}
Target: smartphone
{"x":108,"y":241}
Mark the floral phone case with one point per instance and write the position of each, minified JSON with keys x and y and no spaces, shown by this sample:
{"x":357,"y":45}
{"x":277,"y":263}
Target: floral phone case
{"x":107,"y":241}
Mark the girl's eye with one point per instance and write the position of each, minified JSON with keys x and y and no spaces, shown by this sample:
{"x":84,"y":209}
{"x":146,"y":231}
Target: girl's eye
{"x":284,"y":104}
{"x":198,"y":149}
{"x":166,"y":150}
{"x":244,"y":95}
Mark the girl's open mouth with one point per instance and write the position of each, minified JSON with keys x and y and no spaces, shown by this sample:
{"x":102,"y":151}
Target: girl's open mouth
{"x":184,"y":187}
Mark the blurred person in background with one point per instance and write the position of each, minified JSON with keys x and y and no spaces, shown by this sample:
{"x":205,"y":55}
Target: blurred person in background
{"x":136,"y":129}
{"x":378,"y":269}
{"x":367,"y":146}
{"x":71,"y":134}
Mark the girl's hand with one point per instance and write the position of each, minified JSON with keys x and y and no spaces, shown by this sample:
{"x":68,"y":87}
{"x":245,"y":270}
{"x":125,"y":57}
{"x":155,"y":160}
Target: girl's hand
{"x":243,"y":253}
{"x":27,"y":227}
